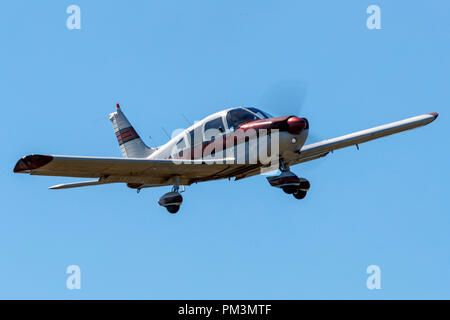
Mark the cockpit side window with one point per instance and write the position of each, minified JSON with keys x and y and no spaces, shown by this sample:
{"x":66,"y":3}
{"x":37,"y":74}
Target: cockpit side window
{"x":238,"y":116}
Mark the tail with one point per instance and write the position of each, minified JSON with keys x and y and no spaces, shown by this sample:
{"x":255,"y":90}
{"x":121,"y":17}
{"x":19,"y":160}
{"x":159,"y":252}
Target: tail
{"x":130,"y":143}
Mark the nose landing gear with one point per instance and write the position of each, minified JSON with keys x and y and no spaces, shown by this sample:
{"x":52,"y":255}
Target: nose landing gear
{"x":290,"y":183}
{"x":302,"y":189}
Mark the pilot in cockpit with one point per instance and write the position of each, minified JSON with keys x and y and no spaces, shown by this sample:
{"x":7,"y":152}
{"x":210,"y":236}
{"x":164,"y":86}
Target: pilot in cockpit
{"x":238,"y":116}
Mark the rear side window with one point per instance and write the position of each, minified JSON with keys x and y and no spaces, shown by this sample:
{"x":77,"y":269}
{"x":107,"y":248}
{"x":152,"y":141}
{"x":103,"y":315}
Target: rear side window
{"x":181,"y":144}
{"x":195,"y":136}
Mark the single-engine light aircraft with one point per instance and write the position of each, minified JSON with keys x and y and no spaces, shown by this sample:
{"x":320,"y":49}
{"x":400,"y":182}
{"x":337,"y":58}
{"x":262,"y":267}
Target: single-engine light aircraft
{"x":233,"y":143}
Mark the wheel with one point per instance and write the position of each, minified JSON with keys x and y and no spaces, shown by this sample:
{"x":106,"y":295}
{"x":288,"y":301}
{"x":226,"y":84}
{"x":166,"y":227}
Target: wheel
{"x":304,"y":184}
{"x":299,"y":194}
{"x":173,"y":208}
{"x":289,"y":189}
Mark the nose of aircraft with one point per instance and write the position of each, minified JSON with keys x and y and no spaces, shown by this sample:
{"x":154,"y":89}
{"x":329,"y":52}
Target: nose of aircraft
{"x":296,"y":125}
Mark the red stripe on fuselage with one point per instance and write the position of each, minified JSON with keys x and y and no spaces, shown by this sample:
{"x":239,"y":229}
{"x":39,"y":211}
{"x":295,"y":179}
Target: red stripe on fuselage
{"x":233,"y":138}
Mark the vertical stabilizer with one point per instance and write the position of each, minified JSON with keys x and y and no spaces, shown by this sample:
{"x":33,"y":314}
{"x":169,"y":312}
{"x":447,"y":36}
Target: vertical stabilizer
{"x":130,"y":143}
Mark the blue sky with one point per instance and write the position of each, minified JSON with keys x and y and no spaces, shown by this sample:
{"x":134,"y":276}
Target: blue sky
{"x":386,"y":204}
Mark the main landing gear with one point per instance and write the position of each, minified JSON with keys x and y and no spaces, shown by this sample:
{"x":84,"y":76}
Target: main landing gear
{"x":290,"y":183}
{"x":172,"y":200}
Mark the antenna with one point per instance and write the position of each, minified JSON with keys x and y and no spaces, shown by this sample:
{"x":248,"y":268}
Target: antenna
{"x":187,"y":120}
{"x":167,"y":134}
{"x":153,"y":141}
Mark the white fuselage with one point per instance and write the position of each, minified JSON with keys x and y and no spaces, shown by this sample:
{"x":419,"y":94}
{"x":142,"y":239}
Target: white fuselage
{"x":248,"y":150}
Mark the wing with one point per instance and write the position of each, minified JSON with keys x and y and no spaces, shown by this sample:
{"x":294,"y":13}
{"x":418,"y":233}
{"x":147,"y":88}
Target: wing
{"x":322,"y":148}
{"x":163,"y":172}
{"x":145,"y":171}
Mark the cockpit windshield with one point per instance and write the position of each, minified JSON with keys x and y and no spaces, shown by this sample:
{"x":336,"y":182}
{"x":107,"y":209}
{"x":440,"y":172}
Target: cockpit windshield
{"x":238,"y":116}
{"x":260,"y":113}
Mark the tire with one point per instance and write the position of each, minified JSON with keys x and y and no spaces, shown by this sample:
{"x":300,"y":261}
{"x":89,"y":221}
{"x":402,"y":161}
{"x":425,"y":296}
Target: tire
{"x":289,"y":189}
{"x":299,"y":194}
{"x":173,"y":209}
{"x":305,"y":184}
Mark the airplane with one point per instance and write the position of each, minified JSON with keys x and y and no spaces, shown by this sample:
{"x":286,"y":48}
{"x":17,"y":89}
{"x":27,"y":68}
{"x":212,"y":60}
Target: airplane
{"x":195,"y":155}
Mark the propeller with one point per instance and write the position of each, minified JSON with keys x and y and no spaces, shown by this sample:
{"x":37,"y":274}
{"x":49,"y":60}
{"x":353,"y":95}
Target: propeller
{"x":284,"y":98}
{"x":288,"y":97}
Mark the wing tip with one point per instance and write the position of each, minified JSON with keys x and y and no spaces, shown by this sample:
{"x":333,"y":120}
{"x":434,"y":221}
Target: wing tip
{"x":31,"y":162}
{"x":434,"y":114}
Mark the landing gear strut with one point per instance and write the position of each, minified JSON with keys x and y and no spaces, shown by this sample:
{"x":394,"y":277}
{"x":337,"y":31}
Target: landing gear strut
{"x":289,"y":182}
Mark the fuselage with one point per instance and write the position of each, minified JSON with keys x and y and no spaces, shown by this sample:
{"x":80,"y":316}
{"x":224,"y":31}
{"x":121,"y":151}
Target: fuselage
{"x":243,"y":135}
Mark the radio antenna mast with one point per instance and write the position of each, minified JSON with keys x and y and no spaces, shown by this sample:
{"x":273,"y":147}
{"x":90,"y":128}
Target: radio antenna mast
{"x":167,"y":134}
{"x":187,"y":120}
